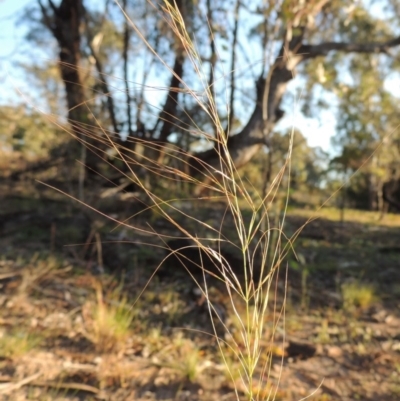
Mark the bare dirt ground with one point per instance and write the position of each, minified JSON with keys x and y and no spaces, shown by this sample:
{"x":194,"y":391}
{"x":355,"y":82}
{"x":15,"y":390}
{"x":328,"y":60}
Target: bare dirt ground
{"x":339,"y":340}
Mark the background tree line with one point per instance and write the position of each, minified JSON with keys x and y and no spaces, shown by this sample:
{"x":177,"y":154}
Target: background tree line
{"x":99,"y":75}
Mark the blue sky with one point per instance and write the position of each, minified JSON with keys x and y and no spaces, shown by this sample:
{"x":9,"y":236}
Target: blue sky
{"x":317,"y":131}
{"x":10,"y":34}
{"x":11,"y":38}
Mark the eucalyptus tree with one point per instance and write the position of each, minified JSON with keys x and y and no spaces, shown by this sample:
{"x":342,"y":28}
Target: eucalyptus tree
{"x":264,"y":42}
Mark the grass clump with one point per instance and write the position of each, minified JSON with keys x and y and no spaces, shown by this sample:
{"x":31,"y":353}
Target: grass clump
{"x":107,"y":322}
{"x":358,"y":295}
{"x":41,"y":270}
{"x":18,"y":343}
{"x":187,"y":361}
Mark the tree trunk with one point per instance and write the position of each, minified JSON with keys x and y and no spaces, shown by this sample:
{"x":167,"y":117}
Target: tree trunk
{"x":390,"y":190}
{"x":65,"y":23}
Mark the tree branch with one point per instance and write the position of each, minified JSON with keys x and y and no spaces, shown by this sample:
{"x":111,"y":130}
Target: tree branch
{"x":125,"y":57}
{"x":322,"y":49}
{"x":213,"y":54}
{"x":53,"y":6}
{"x":233,"y":67}
{"x":270,"y":91}
{"x":46,"y":17}
{"x":102,"y":76}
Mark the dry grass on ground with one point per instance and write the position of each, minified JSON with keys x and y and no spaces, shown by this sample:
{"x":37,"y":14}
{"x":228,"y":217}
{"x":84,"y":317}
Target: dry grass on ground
{"x":68,"y":332}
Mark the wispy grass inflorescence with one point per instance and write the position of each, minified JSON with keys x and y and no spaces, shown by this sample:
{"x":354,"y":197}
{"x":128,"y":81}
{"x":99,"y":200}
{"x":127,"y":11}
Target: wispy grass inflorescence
{"x":252,"y":288}
{"x":250,"y":293}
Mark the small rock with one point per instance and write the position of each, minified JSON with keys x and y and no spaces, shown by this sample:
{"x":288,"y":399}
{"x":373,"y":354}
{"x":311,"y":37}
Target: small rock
{"x":389,"y":319}
{"x":334,"y":351}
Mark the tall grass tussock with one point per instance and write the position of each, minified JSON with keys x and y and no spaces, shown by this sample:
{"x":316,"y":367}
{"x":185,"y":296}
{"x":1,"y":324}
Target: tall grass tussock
{"x":258,"y":236}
